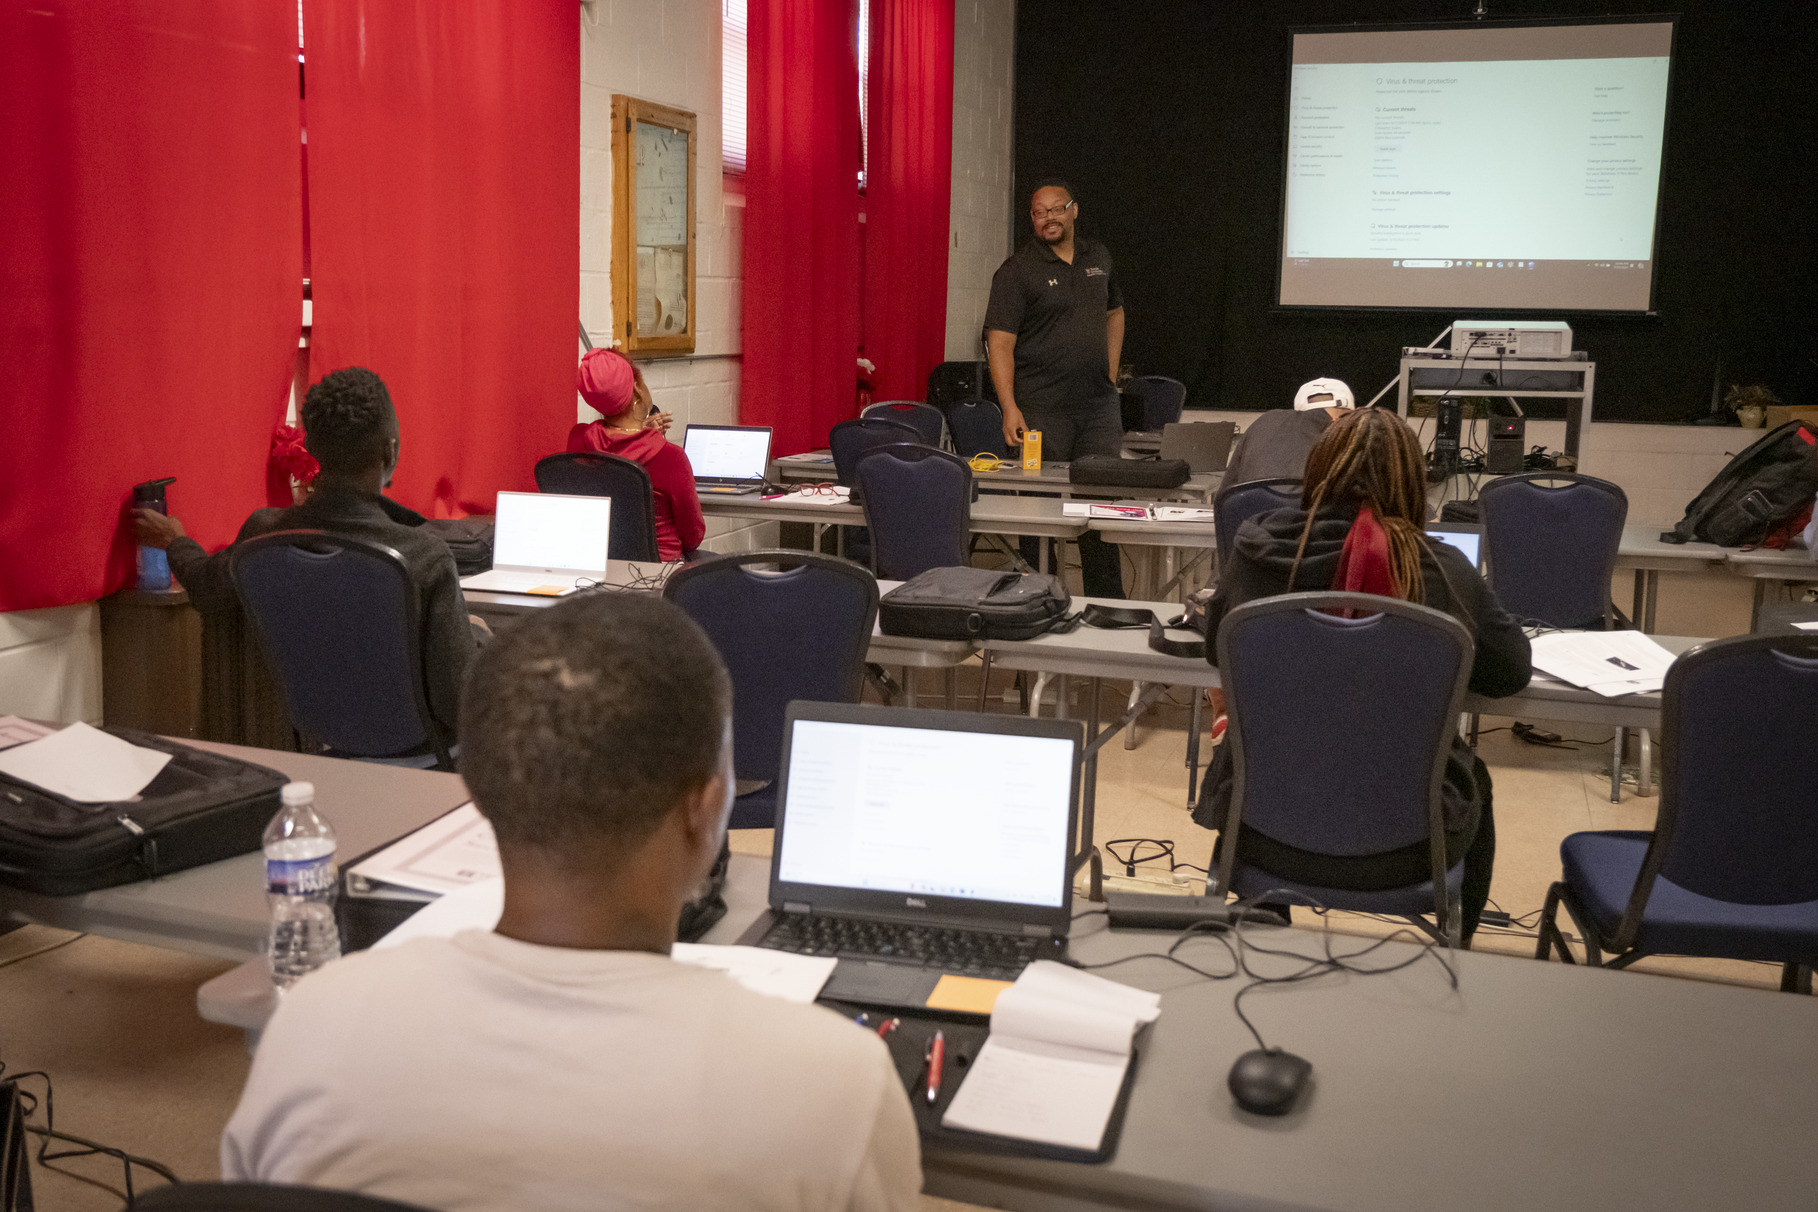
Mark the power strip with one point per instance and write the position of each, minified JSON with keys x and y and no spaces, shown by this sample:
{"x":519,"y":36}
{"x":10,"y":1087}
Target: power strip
{"x":1147,"y":911}
{"x":1177,"y":884}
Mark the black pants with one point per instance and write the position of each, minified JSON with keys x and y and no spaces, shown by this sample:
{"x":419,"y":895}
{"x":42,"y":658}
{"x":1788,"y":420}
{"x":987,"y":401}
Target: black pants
{"x":1067,"y":433}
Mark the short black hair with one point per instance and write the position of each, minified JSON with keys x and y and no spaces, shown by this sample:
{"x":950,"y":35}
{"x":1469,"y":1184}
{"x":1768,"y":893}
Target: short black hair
{"x":1052,"y":183}
{"x":348,"y":421}
{"x":584,"y":726}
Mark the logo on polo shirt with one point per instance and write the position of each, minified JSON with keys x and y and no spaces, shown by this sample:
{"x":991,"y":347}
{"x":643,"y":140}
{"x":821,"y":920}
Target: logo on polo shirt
{"x":1054,"y":281}
{"x":1095,"y":272}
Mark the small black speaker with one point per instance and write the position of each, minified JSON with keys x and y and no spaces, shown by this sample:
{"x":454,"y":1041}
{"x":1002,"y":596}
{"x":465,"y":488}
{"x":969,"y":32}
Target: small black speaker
{"x":1508,"y":443}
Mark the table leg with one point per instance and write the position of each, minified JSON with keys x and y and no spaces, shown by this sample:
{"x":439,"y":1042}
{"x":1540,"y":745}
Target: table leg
{"x":909,"y":685}
{"x":1644,"y":782}
{"x":1136,"y":692}
{"x":1616,"y":765}
{"x":1199,"y":698}
{"x":1653,"y":598}
{"x":984,"y":678}
{"x":1035,"y":694}
{"x":1760,"y":597}
{"x":1062,"y":684}
{"x":1638,"y":607}
{"x":951,"y":678}
{"x":1088,"y":821}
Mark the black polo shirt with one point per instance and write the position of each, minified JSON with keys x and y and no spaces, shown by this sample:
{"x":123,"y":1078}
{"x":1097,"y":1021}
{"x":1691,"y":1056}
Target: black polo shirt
{"x":1057,"y":312}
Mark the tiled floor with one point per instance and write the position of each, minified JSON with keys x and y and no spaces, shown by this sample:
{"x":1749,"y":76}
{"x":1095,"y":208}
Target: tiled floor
{"x":115,"y":1023}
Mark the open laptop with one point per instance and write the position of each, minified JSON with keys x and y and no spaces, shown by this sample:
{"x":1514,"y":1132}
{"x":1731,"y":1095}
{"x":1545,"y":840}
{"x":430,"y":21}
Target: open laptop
{"x":727,"y":458}
{"x":1466,"y":536}
{"x":1205,"y":445}
{"x":545,"y":543}
{"x":917,"y":844}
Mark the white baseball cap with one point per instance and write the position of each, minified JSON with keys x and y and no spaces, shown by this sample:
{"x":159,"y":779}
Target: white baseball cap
{"x":1324,"y":393}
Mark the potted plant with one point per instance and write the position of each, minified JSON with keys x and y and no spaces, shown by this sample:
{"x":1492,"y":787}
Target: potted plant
{"x":1750,"y":404}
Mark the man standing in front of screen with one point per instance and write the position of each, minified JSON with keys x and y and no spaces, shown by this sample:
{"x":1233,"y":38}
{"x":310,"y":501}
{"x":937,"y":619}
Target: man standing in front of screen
{"x":1054,"y":331}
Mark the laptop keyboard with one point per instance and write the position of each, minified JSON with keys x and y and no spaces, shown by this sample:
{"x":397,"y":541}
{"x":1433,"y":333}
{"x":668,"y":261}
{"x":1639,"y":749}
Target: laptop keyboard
{"x":968,"y":952}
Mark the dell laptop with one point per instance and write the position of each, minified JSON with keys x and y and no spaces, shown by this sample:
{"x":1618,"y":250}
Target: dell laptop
{"x":546,"y":543}
{"x":1205,"y":445}
{"x":1466,"y":536}
{"x":917,"y":844}
{"x":727,"y":458}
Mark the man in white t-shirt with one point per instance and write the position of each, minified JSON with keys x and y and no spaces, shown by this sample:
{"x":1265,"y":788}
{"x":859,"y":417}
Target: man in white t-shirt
{"x":563,"y":1061}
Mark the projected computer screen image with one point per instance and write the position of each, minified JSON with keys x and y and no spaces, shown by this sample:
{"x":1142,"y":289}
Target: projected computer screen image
{"x":1480,"y":166}
{"x":982,"y":816}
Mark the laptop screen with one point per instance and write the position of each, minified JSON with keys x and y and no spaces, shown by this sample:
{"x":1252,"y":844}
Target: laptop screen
{"x":550,"y":530}
{"x":727,"y":452}
{"x":1468,"y":540}
{"x":968,"y":815}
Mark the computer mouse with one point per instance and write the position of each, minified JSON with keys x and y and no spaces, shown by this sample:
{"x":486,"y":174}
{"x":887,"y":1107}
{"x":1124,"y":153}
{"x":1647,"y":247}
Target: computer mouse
{"x":1268,"y":1082}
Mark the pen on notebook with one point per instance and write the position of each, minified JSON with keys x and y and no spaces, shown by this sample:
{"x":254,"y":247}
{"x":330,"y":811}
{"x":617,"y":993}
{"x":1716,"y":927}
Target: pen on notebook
{"x":887,"y":1026}
{"x":937,"y":1052}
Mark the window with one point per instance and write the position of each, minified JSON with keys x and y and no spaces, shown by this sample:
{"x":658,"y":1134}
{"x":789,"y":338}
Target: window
{"x":864,"y":75}
{"x":732,"y":86}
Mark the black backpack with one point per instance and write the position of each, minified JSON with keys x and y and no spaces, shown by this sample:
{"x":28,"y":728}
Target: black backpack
{"x":1762,"y":487}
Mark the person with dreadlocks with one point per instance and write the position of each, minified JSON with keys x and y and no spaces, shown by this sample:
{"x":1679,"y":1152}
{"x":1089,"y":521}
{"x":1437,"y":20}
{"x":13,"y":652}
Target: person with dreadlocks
{"x":1359,"y":529}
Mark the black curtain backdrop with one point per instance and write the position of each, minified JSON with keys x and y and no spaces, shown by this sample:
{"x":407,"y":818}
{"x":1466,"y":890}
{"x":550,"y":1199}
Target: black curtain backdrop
{"x":1167,"y":117}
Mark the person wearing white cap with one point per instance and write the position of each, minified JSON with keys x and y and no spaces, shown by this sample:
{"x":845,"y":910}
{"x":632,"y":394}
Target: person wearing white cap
{"x":1276,"y":443}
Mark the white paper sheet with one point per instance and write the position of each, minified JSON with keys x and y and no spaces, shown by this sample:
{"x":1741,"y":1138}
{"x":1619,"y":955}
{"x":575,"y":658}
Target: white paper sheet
{"x":475,"y":907}
{"x":1051,"y":1069}
{"x":794,"y":978}
{"x":448,"y":853}
{"x":84,"y":764}
{"x":1611,"y":663}
{"x":1182,"y":513}
{"x":1085,"y":509}
{"x":1800,"y":626}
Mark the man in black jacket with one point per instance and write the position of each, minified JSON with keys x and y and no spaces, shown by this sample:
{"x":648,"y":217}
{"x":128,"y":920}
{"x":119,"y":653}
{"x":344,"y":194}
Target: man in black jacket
{"x":352,"y":430}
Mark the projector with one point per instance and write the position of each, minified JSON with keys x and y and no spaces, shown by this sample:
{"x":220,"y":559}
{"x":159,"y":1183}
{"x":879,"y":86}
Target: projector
{"x":1512,"y":338}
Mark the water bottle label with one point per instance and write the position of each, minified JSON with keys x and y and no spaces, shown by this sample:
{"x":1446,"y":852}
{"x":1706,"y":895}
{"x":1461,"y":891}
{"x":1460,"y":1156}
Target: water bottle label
{"x":300,"y":877}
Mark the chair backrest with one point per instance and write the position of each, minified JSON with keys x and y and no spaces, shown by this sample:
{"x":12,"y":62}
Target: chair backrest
{"x":1162,"y":399}
{"x":338,"y":620}
{"x":1738,"y":814}
{"x":261,"y":1197}
{"x":1340,"y":727}
{"x":789,"y":625}
{"x":918,"y":505}
{"x":1550,"y":540}
{"x":594,"y":474}
{"x":977,"y":427}
{"x":926,"y":421}
{"x":850,"y":439}
{"x":1236,"y":504}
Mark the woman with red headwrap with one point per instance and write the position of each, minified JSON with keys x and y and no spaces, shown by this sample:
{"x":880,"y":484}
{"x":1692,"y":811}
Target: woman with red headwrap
{"x":630,"y":429}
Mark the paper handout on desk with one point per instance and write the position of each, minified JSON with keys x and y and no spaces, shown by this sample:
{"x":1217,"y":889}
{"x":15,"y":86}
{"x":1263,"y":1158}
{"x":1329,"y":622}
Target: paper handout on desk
{"x":451,"y":852}
{"x":1055,"y":1061}
{"x":1085,"y":509}
{"x":84,"y":764}
{"x":1612,"y":663}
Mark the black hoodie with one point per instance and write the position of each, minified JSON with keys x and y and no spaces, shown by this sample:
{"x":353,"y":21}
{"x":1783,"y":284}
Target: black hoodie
{"x":1262,"y":558}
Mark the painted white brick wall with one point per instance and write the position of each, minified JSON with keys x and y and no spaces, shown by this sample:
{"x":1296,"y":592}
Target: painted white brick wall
{"x":667,"y":51}
{"x":984,"y":51}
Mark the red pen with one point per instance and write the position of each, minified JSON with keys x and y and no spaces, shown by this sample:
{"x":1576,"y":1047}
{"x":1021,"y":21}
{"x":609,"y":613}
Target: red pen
{"x":887,"y":1026}
{"x":937,"y":1052}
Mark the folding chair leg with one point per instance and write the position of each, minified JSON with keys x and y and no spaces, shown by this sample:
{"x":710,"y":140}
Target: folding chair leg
{"x":1193,"y":723}
{"x":1136,"y":692}
{"x":1644,"y":778}
{"x":1035,"y":695}
{"x":1549,"y":930}
{"x":1616,"y":765}
{"x":1796,"y":978}
{"x":1475,"y":721}
{"x":984,"y":678}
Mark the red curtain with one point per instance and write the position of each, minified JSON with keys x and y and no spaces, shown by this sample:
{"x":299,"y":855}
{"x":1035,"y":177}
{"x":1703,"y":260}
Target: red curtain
{"x":801,"y":253}
{"x":150,"y":268}
{"x":908,"y":189}
{"x":444,"y":171}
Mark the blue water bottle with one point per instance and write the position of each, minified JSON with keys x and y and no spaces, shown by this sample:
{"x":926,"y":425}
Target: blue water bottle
{"x":154,"y":565}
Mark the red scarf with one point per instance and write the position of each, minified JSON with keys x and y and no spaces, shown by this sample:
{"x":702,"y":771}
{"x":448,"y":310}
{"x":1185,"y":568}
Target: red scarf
{"x":1364,"y":565}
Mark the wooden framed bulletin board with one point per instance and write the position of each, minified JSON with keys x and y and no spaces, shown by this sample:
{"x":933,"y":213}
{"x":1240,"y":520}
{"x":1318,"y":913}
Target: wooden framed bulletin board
{"x":653,"y":189}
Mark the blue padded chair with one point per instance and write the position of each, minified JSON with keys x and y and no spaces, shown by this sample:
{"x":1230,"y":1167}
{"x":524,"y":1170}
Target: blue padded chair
{"x":261,"y":1197}
{"x":338,"y":620}
{"x":798,"y":631}
{"x":926,"y":421}
{"x":850,"y":439}
{"x":918,"y":507}
{"x":1340,"y":728}
{"x":1236,"y":504}
{"x":593,"y":474}
{"x":1161,"y":400}
{"x":977,"y":427}
{"x":1731,"y":868}
{"x":1550,"y":543}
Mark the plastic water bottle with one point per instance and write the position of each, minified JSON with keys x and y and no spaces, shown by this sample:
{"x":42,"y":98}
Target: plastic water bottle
{"x":300,"y":884}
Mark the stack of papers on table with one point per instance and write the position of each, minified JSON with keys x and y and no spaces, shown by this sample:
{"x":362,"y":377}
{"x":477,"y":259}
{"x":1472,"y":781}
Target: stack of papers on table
{"x":1182,"y":513}
{"x":783,"y":974}
{"x":449,"y":853}
{"x":1054,"y":1065}
{"x":1612,"y":663}
{"x":1083,"y":509}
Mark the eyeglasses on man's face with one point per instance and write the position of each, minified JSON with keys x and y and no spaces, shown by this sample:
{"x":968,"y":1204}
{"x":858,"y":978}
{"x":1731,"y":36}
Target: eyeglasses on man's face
{"x":1052,"y":212}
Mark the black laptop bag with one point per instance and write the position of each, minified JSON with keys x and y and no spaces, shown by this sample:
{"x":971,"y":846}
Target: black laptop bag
{"x":974,"y":603}
{"x":1113,"y":472}
{"x":202,"y":807}
{"x":1762,"y":487}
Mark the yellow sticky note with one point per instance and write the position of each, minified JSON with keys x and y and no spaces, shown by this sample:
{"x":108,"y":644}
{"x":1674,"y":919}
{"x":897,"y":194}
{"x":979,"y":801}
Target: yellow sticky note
{"x":550,"y":591}
{"x":965,"y":994}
